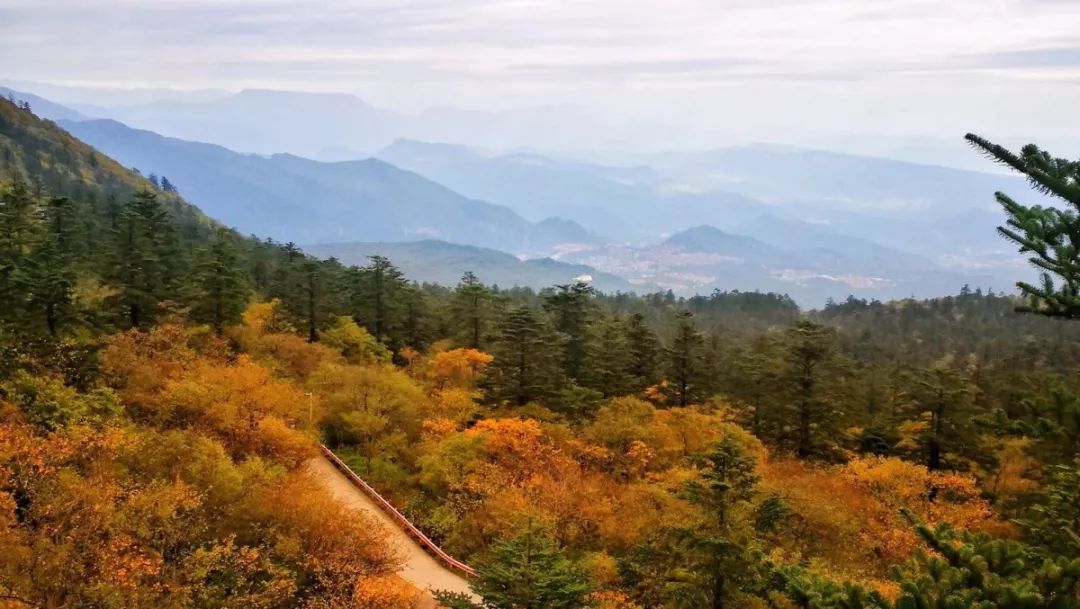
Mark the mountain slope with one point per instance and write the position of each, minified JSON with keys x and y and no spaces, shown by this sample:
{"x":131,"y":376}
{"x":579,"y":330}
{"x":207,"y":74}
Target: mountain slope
{"x":43,"y":107}
{"x":444,"y":263}
{"x":832,"y":249}
{"x":265,"y":121}
{"x":784,"y":256}
{"x":292,"y":198}
{"x":710,"y":239}
{"x":620,"y":203}
{"x":831,"y":180}
{"x":36,"y":149}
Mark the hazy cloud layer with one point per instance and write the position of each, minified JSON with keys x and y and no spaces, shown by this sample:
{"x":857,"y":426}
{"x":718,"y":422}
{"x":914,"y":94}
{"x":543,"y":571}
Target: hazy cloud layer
{"x":901,"y":66}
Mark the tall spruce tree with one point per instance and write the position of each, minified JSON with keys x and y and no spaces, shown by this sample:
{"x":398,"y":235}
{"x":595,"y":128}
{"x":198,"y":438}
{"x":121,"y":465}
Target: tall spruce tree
{"x":684,"y":360}
{"x":527,"y":364}
{"x":50,"y":272}
{"x":472,"y":308}
{"x":529,"y":571}
{"x":608,"y":364}
{"x":645,"y":352}
{"x":145,"y":255}
{"x":808,"y":348}
{"x":377,"y":294}
{"x":303,"y":286}
{"x":571,"y":308}
{"x":1050,"y":234}
{"x":221,"y":285}
{"x":18,"y":233}
{"x":943,"y":396}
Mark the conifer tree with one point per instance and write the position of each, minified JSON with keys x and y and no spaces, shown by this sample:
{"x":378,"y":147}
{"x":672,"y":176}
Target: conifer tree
{"x":527,"y":364}
{"x":473,"y":310}
{"x":645,"y":352}
{"x":684,"y":359}
{"x":727,"y":486}
{"x":808,"y":349}
{"x":1055,"y":520}
{"x":945,"y":398}
{"x":529,"y":571}
{"x":377,"y":299}
{"x":754,"y":377}
{"x":221,"y":285}
{"x":18,"y":233}
{"x":50,"y":272}
{"x":301,"y":284}
{"x":144,"y":257}
{"x":608,"y":361}
{"x":571,"y":308}
{"x":1050,"y":234}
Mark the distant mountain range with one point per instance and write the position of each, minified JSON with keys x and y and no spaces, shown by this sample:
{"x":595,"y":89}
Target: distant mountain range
{"x":444,"y":263}
{"x":810,"y":223}
{"x":620,"y":203}
{"x":704,"y":258}
{"x":948,"y":211}
{"x":43,"y":107}
{"x":326,"y":124}
{"x":830,"y":181}
{"x":289,"y":197}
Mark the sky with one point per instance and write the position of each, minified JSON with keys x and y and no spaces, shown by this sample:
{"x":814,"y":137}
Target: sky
{"x":757,"y":69}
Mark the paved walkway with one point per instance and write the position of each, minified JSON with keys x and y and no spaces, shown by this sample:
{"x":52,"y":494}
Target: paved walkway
{"x":421,"y":569}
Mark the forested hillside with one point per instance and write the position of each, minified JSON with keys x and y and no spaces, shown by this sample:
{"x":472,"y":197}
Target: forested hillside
{"x":163,"y":381}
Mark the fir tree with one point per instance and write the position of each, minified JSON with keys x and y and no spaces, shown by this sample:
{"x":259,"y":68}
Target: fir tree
{"x":609,"y":361}
{"x":644,"y":350}
{"x":527,"y":363}
{"x":298,"y":283}
{"x":571,"y":307}
{"x":221,"y":285}
{"x":377,"y":298}
{"x":473,"y":310}
{"x":808,"y":347}
{"x":529,"y":571}
{"x":944,"y":395}
{"x":684,"y":359}
{"x":18,"y":233}
{"x":50,"y":273}
{"x":1051,"y":235}
{"x":144,"y":255}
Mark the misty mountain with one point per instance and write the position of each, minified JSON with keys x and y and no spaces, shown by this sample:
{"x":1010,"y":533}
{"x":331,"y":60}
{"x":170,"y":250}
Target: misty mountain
{"x":712,"y":240}
{"x":41,"y":106}
{"x":819,"y":244}
{"x":266,"y":122}
{"x":617,"y":202}
{"x":820,"y":180}
{"x":336,"y":126}
{"x":704,"y":258}
{"x":289,"y":197}
{"x":444,"y":263}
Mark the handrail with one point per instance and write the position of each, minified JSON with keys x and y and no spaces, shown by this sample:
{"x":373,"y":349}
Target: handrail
{"x":391,"y":511}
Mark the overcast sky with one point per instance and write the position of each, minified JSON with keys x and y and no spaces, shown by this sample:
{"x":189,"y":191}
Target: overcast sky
{"x":754,"y":68}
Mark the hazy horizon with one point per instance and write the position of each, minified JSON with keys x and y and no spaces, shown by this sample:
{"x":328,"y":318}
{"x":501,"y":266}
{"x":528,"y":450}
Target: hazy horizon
{"x":693,"y":73}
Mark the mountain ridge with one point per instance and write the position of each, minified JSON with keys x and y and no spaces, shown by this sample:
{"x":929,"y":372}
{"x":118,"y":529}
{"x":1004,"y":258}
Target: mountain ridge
{"x":291,"y":197}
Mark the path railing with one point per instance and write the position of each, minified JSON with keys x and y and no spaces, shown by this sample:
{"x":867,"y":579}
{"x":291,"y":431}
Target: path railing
{"x":395,"y":515}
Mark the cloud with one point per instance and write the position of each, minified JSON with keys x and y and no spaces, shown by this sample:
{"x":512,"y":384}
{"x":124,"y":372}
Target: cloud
{"x":1058,"y":57}
{"x":779,"y":63}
